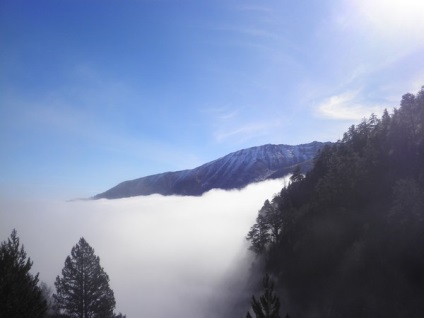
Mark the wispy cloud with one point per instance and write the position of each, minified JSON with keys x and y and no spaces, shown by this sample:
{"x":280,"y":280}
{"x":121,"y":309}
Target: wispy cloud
{"x":229,"y":115}
{"x":86,"y":127}
{"x":347,"y":106}
{"x":243,"y":132}
{"x":223,"y":113}
{"x":255,"y":32}
{"x":235,"y":125}
{"x":255,"y":8}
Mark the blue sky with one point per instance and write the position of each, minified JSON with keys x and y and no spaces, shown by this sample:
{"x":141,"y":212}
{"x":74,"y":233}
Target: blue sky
{"x":96,"y":92}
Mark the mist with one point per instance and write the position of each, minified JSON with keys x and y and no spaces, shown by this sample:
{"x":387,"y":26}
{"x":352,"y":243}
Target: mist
{"x":165,"y":256}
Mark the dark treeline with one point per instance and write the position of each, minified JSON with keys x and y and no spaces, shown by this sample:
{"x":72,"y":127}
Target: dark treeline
{"x":347,"y":239}
{"x":82,"y":291}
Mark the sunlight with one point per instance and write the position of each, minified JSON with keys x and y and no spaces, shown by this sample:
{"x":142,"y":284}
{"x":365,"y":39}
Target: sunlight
{"x":394,"y":15}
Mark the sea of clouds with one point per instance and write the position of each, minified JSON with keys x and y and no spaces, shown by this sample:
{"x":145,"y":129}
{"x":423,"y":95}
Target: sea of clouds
{"x":166,"y":256}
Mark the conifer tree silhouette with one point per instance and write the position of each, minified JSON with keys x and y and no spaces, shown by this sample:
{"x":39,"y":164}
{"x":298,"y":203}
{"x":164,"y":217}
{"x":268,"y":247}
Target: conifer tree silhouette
{"x":268,"y":305}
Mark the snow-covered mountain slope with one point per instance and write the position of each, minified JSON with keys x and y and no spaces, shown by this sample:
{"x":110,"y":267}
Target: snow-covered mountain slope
{"x":235,"y":170}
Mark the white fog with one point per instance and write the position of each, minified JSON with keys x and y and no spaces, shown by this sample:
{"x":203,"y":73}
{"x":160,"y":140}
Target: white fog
{"x":165,"y":256}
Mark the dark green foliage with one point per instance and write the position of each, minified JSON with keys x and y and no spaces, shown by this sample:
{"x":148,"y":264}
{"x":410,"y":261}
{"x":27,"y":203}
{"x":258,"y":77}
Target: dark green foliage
{"x":83,"y":290}
{"x":297,"y":175}
{"x":268,"y":305}
{"x":258,"y":234}
{"x":20,"y":296}
{"x":351,"y":238}
{"x":273,"y":219}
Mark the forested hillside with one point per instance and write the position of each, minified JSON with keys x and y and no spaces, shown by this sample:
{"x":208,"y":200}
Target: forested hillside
{"x":347,"y":239}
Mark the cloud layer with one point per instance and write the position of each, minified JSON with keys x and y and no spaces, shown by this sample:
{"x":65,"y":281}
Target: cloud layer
{"x":165,"y":256}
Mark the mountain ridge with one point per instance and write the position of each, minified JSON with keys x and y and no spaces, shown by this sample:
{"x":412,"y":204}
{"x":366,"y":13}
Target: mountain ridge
{"x":232,"y":171}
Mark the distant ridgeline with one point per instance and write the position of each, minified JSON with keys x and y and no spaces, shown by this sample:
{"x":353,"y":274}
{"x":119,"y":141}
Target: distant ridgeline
{"x":347,"y":240}
{"x":233,"y":171}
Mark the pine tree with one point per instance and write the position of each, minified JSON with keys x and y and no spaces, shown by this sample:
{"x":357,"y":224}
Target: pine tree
{"x":20,"y":295}
{"x":297,"y":175}
{"x":83,"y":291}
{"x":274,"y":218}
{"x":258,"y":235}
{"x":268,"y":305}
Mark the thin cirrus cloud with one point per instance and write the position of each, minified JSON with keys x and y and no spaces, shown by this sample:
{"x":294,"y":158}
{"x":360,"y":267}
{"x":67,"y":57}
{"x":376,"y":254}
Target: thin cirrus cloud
{"x":73,"y":139}
{"x":256,"y":8}
{"x":229,"y":115}
{"x":244,"y":132}
{"x":234,"y":125}
{"x":346,"y":106}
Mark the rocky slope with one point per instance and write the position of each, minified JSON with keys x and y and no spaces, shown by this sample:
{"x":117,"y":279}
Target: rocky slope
{"x":235,"y":170}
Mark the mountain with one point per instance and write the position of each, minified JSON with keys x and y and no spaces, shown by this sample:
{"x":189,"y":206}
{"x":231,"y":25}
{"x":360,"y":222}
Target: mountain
{"x":233,"y":171}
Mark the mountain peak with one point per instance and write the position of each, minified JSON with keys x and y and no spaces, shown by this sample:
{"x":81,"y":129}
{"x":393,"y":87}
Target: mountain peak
{"x":233,"y":171}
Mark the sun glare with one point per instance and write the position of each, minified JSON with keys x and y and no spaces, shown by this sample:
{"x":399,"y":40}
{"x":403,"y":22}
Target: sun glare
{"x":394,"y":15}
